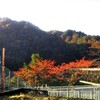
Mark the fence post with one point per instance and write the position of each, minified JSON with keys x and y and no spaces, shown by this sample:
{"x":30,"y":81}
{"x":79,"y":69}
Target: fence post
{"x":17,"y":82}
{"x":9,"y":80}
{"x":3,"y":69}
{"x":92,"y":94}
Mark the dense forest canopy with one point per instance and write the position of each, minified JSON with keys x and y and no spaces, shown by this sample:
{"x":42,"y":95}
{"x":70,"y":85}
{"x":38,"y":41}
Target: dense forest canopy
{"x":22,"y":39}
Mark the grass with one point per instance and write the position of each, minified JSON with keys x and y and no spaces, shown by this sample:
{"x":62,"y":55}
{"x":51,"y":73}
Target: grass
{"x":27,"y":97}
{"x":23,"y":96}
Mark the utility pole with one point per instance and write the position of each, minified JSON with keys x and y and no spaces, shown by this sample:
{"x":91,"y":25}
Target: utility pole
{"x":3,"y":69}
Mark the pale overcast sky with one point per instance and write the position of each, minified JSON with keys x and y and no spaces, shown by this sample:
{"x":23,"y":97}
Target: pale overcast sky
{"x":79,"y":15}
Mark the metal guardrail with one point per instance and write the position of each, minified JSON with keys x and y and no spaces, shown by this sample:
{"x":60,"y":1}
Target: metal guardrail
{"x":85,"y":92}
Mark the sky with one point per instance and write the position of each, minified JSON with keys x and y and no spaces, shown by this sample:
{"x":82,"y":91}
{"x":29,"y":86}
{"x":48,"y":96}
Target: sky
{"x":79,"y":15}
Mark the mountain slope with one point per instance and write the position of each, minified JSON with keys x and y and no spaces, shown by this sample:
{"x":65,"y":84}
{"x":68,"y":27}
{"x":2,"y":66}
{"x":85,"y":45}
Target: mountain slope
{"x":21,"y":39}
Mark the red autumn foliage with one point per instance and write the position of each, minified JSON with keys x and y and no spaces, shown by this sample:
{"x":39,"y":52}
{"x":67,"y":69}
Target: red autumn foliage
{"x":46,"y":70}
{"x":70,"y":73}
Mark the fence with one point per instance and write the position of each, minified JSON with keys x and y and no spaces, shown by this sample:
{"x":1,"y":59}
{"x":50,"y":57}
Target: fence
{"x":88,"y":92}
{"x":11,"y":81}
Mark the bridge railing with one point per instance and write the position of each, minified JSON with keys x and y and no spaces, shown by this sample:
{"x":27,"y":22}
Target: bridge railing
{"x":80,"y":91}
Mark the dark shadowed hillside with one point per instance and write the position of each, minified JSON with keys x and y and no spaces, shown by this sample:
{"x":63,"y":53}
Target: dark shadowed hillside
{"x":73,"y":37}
{"x":21,"y":39}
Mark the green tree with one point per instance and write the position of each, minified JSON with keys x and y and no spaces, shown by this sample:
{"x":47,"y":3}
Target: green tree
{"x":34,"y":58}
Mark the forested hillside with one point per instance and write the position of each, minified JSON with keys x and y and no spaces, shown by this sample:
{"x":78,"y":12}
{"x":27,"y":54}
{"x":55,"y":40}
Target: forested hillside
{"x":22,"y":39}
{"x":73,"y":37}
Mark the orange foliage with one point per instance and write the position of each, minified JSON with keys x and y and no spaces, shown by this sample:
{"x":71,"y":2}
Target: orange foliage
{"x":46,"y":69}
{"x":70,"y":72}
{"x":97,"y":42}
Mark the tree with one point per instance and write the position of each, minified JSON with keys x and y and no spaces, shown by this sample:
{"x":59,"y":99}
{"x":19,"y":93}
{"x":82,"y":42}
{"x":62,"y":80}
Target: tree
{"x":34,"y":58}
{"x":70,"y":72}
{"x":45,"y":71}
{"x":42,"y":70}
{"x":37,"y":73}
